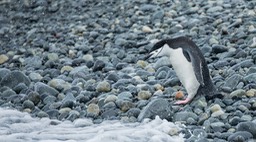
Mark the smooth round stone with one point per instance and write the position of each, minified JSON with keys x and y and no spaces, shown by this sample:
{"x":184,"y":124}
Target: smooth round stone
{"x":233,"y":81}
{"x":235,"y":120}
{"x":3,"y":59}
{"x":73,"y":115}
{"x":93,"y":109}
{"x":183,"y":116}
{"x":110,"y":98}
{"x":246,"y":118}
{"x":66,"y":69}
{"x":110,"y":114}
{"x":144,"y":95}
{"x":20,"y":88}
{"x":68,"y":103}
{"x":88,"y":57}
{"x":147,"y":29}
{"x":34,"y":97}
{"x":53,"y":56}
{"x":125,"y":96}
{"x":212,"y":41}
{"x":35,"y":76}
{"x":133,"y":112}
{"x":138,"y":80}
{"x":142,"y":63}
{"x":42,"y":88}
{"x":98,"y":65}
{"x":113,"y":77}
{"x":59,"y":84}
{"x":42,"y":114}
{"x":125,"y":105}
{"x":7,"y":93}
{"x":215,"y":107}
{"x":164,"y":61}
{"x":35,"y":62}
{"x":49,"y":99}
{"x":103,"y":86}
{"x":158,"y":87}
{"x":55,"y":105}
{"x":217,"y":126}
{"x":28,"y":104}
{"x":161,"y":75}
{"x":237,"y":93}
{"x":156,"y":107}
{"x":247,"y":126}
{"x":251,"y":93}
{"x":240,"y":136}
{"x":65,"y":110}
{"x":109,"y":105}
{"x":53,"y":113}
{"x":80,"y":69}
{"x":82,"y":123}
{"x":14,"y":78}
{"x":250,"y":77}
{"x":4,"y":72}
{"x":251,"y":70}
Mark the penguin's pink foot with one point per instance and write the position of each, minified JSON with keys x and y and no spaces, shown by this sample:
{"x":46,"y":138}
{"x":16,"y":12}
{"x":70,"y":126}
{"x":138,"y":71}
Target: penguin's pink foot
{"x":183,"y":102}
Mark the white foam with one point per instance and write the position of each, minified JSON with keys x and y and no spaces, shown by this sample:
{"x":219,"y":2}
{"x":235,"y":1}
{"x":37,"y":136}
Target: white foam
{"x":16,"y":126}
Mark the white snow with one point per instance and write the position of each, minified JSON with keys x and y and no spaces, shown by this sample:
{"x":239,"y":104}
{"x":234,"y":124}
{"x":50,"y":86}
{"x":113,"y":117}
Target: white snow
{"x":17,"y":126}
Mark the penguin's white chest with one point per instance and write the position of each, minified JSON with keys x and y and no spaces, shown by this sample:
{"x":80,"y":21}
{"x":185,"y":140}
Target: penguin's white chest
{"x":184,"y":71}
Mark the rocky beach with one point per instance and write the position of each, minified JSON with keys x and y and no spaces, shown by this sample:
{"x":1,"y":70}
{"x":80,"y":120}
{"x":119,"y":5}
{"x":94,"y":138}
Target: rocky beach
{"x":80,"y":64}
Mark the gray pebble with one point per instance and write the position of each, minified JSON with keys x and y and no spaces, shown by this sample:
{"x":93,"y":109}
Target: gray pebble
{"x":35,"y":62}
{"x":42,"y":88}
{"x":247,"y":126}
{"x":28,"y":104}
{"x":98,"y":65}
{"x":110,"y":114}
{"x":42,"y":114}
{"x":103,"y":86}
{"x":125,"y":96}
{"x":34,"y":97}
{"x":233,"y":81}
{"x":183,"y":116}
{"x":158,"y":107}
{"x":237,"y":93}
{"x":14,"y":78}
{"x":251,"y":77}
{"x":240,"y":136}
{"x":49,"y":99}
{"x":4,"y":72}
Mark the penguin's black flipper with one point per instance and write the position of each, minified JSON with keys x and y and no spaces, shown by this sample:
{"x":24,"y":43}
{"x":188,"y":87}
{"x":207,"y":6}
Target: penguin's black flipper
{"x":197,"y":66}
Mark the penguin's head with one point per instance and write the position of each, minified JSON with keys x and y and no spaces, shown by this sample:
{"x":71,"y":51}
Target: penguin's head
{"x":158,"y":50}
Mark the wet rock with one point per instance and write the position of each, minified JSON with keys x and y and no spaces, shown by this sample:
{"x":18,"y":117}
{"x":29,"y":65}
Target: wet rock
{"x":183,"y":116}
{"x":103,"y":86}
{"x":3,"y":58}
{"x":158,"y":107}
{"x":59,"y":84}
{"x":14,"y":78}
{"x":4,"y":72}
{"x":144,"y":95}
{"x":98,"y":65}
{"x":240,"y":136}
{"x":233,"y":81}
{"x":237,"y":93}
{"x":248,"y":127}
{"x":42,"y":88}
{"x":93,"y":110}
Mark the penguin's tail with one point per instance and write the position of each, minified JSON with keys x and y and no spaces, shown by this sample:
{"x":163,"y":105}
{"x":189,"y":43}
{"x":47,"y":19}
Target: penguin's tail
{"x":211,"y":93}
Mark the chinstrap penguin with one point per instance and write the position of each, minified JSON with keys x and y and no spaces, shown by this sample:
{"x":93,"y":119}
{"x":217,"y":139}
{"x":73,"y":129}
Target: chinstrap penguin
{"x":189,"y":64}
